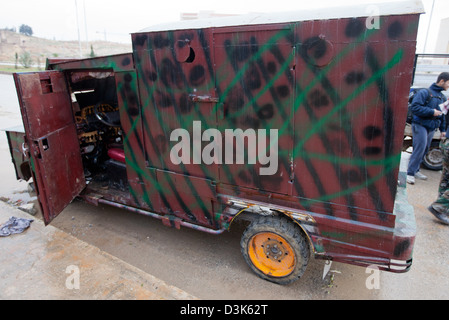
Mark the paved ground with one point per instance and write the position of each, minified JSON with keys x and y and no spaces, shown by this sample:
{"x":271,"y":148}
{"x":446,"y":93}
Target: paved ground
{"x":126,"y":256}
{"x":45,"y":262}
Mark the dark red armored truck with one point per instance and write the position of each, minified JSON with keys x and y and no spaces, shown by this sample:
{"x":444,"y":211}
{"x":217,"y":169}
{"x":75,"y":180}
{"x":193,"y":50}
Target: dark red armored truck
{"x":293,"y":122}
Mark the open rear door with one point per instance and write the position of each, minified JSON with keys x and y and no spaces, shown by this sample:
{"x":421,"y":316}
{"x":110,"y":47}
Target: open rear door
{"x":52,"y":139}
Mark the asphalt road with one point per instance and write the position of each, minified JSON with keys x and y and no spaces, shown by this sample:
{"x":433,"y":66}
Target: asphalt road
{"x":212,"y":267}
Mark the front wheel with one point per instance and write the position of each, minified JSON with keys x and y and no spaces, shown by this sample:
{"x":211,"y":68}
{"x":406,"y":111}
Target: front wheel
{"x":275,"y":249}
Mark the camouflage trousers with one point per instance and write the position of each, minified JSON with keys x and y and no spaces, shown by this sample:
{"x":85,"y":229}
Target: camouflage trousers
{"x":442,"y":203}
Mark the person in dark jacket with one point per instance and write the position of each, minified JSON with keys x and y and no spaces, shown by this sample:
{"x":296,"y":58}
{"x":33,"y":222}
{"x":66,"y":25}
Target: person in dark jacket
{"x":427,"y":117}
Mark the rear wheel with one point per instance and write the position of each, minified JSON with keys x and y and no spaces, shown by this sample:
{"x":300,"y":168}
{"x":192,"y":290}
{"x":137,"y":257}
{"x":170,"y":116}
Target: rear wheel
{"x":433,"y":160}
{"x":276,"y":249}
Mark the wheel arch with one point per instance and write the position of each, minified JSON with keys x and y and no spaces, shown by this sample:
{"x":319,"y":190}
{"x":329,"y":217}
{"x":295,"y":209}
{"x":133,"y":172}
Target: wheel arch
{"x":302,"y":219}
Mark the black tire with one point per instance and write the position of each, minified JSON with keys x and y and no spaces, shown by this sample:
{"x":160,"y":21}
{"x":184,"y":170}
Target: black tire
{"x":433,"y":159}
{"x":286,"y":260}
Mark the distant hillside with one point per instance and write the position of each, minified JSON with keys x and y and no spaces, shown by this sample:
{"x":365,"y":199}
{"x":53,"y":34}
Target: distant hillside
{"x":41,"y":49}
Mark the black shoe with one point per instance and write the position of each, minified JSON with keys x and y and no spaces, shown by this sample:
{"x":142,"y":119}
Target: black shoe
{"x":440,"y":216}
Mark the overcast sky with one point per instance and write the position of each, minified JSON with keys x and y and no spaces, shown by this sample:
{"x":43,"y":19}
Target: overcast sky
{"x":115,"y":20}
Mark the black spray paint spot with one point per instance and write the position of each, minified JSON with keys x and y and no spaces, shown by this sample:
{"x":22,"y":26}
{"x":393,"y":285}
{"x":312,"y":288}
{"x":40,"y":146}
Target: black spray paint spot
{"x":314,"y":48}
{"x":318,"y":99}
{"x":354,"y":28}
{"x":185,"y":104}
{"x":395,"y":30}
{"x":371,"y":151}
{"x":372,"y":132}
{"x":252,"y":78}
{"x":197,"y":75}
{"x":266,"y":112}
{"x":354,"y":77}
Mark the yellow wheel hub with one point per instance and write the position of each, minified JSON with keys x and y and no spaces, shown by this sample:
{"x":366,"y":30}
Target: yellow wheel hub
{"x":272,"y":254}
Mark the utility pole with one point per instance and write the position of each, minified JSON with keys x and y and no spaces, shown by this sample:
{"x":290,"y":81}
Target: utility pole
{"x":428,"y":27}
{"x":85,"y":24}
{"x":78,"y":27}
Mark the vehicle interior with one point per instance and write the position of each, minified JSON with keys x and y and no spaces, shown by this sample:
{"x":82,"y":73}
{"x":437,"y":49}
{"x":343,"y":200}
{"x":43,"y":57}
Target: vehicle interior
{"x":95,"y":107}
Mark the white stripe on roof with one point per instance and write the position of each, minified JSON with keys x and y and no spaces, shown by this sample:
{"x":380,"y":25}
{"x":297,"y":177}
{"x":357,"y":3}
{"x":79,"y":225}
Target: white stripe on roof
{"x":353,"y":11}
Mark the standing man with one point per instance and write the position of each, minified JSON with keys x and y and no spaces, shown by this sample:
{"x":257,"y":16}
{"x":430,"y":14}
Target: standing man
{"x":427,"y":117}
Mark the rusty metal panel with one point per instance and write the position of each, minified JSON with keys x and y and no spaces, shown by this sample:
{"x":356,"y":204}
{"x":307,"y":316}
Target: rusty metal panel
{"x":17,"y":148}
{"x":52,"y":138}
{"x":177,"y":91}
{"x":142,"y":180}
{"x":334,"y":90}
{"x":119,"y":62}
{"x":255,"y":80}
{"x":350,"y":122}
{"x":188,"y":198}
{"x":42,"y":96}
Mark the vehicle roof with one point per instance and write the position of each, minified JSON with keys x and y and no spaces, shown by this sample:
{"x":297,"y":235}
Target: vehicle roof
{"x":338,"y":12}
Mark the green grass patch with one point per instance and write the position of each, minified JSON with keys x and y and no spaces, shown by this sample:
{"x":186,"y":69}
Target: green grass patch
{"x":12,"y":69}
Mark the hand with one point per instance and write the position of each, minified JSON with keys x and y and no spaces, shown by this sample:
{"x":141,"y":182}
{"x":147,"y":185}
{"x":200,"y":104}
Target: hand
{"x":437,"y":113}
{"x":443,"y":134}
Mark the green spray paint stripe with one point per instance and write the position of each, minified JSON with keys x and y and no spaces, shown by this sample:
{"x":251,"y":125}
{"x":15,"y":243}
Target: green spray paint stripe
{"x":132,"y":163}
{"x":145,"y":173}
{"x":330,"y":158}
{"x":266,"y":46}
{"x":304,"y":92}
{"x":253,"y":100}
{"x":285,"y":63}
{"x":328,"y":197}
{"x":150,"y":101}
{"x":321,"y":75}
{"x":283,"y":68}
{"x":228,"y":89}
{"x":240,"y":74}
{"x":136,"y":121}
{"x":317,"y":78}
{"x":260,"y":93}
{"x":181,"y":120}
{"x":127,"y":143}
{"x":33,"y":165}
{"x":391,"y":160}
{"x":254,"y":103}
{"x":336,"y":99}
{"x":374,"y":64}
{"x":396,"y":59}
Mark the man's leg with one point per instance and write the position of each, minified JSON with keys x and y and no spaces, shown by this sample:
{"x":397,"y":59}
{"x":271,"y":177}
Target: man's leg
{"x":430,"y":135}
{"x":420,"y":141}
